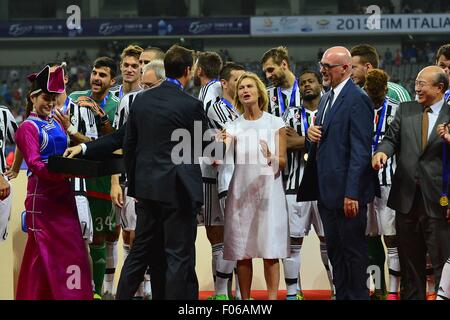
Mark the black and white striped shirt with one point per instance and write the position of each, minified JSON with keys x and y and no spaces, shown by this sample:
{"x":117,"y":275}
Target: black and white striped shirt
{"x":385,"y":175}
{"x":209,"y":95}
{"x":123,"y":110}
{"x":274,"y":105}
{"x":293,"y":171}
{"x":84,"y":120}
{"x":8,"y":128}
{"x":219,"y":114}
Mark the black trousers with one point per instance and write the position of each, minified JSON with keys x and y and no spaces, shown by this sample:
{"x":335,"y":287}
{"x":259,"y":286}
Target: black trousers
{"x":348,"y":252}
{"x":417,"y":234}
{"x":165,"y":241}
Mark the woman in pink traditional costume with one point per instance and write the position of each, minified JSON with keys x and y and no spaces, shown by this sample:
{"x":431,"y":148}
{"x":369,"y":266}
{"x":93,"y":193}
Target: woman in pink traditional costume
{"x":55,"y":264}
{"x":256,"y":216}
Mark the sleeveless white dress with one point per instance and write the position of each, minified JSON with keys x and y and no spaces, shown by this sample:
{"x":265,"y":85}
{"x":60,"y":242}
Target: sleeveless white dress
{"x":256,"y":215}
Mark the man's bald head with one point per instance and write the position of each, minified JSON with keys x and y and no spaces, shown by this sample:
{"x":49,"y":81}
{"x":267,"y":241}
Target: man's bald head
{"x":339,"y":55}
{"x":431,"y":84}
{"x":336,"y":66}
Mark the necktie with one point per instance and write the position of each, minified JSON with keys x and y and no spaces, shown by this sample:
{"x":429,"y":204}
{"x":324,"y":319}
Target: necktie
{"x":425,"y":126}
{"x":328,"y":105}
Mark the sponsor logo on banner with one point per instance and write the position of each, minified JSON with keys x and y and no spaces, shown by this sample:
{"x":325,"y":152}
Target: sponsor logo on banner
{"x":108,"y":28}
{"x":126,"y":27}
{"x":354,"y":24}
{"x":197,"y":27}
{"x":17,"y":30}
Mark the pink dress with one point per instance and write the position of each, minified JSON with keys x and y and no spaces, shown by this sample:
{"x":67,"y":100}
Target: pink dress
{"x":55,"y":263}
{"x":256,"y":216}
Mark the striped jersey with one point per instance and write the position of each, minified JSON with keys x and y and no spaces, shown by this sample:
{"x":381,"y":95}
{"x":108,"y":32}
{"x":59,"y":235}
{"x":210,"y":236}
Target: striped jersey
{"x":397,"y":93}
{"x":117,"y":91}
{"x":123,"y":109}
{"x":274,"y":104}
{"x":385,"y":175}
{"x":209,"y":95}
{"x":8,"y":128}
{"x":295,"y":166}
{"x":100,"y":187}
{"x":85,"y":122}
{"x":219,"y":115}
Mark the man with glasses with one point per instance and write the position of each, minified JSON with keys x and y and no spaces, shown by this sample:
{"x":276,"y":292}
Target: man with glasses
{"x":338,"y":172}
{"x":419,"y":194}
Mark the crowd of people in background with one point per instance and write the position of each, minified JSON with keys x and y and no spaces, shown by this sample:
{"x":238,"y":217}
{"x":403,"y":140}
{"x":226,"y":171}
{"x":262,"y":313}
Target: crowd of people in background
{"x":13,"y":87}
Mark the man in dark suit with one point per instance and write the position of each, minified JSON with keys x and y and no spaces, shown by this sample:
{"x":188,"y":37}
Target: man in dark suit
{"x":168,"y":193}
{"x":338,"y":172}
{"x":417,"y":186}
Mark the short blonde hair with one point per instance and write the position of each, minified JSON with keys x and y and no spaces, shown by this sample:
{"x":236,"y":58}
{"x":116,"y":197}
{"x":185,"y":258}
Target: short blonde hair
{"x":263,"y":99}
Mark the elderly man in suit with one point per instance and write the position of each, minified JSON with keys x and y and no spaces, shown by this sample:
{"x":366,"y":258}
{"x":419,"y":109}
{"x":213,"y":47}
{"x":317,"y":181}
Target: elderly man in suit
{"x":418,"y":194}
{"x":339,"y":175}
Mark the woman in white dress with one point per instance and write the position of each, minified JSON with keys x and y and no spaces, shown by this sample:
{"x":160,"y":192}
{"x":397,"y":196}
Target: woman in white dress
{"x":256,"y":216}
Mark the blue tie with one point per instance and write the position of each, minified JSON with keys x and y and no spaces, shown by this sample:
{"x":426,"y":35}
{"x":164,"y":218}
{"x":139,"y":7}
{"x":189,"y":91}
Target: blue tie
{"x":328,"y":106}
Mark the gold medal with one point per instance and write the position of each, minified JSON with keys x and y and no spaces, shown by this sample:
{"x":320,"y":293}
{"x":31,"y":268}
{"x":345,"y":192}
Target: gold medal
{"x":305,"y":156}
{"x":443,"y":201}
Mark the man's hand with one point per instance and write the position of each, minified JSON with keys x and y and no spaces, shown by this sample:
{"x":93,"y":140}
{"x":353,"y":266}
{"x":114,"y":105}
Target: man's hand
{"x":88,"y":102}
{"x":351,"y":207}
{"x":11,"y":174}
{"x":379,"y":160}
{"x":293,"y":139}
{"x":4,"y":188}
{"x":64,"y":119}
{"x":72,"y":152}
{"x":442,"y":132}
{"x":117,"y":195}
{"x":315,"y":133}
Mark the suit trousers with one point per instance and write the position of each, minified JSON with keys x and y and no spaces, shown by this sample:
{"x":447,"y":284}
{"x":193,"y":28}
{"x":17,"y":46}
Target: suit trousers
{"x":165,"y":241}
{"x":417,"y":234}
{"x":348,"y":251}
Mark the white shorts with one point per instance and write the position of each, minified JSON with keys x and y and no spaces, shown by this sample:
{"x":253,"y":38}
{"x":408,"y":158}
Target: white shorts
{"x":210,"y":214}
{"x":380,"y":218}
{"x":127,"y":214}
{"x":5,"y":213}
{"x":85,"y":217}
{"x":301,"y":216}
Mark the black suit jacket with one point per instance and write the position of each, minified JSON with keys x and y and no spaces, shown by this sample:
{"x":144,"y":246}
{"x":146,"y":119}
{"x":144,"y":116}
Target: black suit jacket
{"x":159,"y":119}
{"x":102,"y":148}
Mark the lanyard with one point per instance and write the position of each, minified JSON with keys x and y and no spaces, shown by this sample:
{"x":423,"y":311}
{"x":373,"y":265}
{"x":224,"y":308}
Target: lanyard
{"x":447,"y":94}
{"x":305,"y":120}
{"x":120,"y":91}
{"x":66,"y":105}
{"x":292,"y":101}
{"x":227,"y":103}
{"x":379,"y":125}
{"x":443,"y":201}
{"x":176,"y":82}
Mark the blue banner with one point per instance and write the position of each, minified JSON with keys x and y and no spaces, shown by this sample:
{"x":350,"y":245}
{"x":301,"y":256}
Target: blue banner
{"x":126,"y":27}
